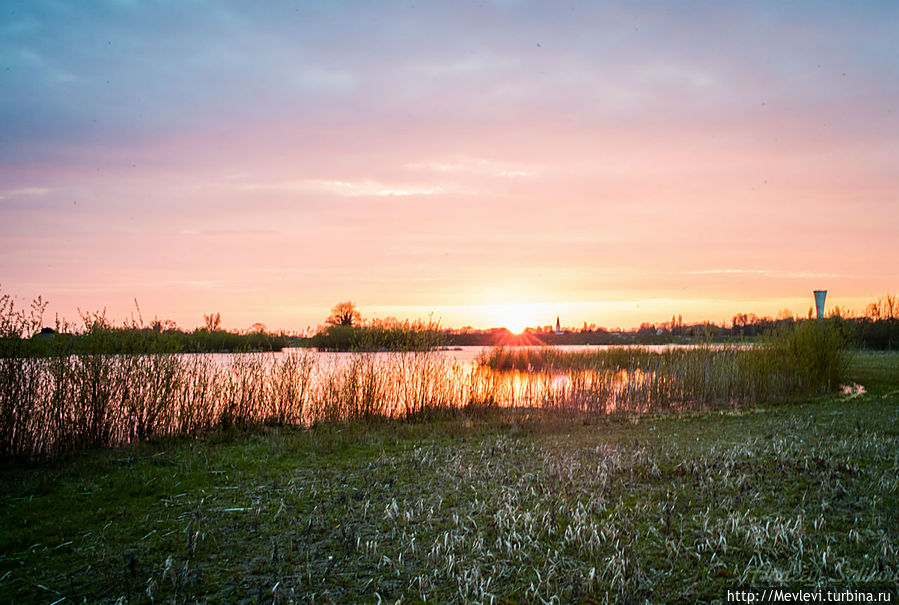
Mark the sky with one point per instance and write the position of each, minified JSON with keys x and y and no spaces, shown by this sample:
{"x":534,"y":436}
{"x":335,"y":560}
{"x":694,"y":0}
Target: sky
{"x":480,"y":163}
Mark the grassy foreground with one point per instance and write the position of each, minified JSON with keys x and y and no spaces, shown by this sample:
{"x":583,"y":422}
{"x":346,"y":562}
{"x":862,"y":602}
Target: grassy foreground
{"x":508,"y":506}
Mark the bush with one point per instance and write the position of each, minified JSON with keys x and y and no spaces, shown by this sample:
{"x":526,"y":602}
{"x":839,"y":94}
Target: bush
{"x":380,"y":336}
{"x":814,"y":353}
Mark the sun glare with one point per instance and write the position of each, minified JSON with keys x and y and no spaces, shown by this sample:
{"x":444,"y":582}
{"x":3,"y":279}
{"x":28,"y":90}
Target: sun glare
{"x":514,"y":318}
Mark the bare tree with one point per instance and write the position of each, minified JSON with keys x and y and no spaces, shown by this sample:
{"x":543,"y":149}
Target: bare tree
{"x":257,"y":328}
{"x":884,"y":307}
{"x":213,"y":321}
{"x":344,"y":314}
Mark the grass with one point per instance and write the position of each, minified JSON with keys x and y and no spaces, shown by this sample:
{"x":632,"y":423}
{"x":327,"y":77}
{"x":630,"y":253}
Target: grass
{"x":493,"y":505}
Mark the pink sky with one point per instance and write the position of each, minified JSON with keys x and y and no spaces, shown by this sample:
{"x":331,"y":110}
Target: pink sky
{"x":480,"y":163}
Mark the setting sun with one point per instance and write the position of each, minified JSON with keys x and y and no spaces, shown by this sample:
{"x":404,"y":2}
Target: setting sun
{"x":516,"y":326}
{"x":515,"y":318}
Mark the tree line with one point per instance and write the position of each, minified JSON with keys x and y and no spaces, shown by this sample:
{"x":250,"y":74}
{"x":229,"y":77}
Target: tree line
{"x":23,"y":333}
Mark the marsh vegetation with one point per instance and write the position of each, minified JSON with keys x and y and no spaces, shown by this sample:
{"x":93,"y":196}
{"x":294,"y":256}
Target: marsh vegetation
{"x":64,"y":402}
{"x":491,"y":504}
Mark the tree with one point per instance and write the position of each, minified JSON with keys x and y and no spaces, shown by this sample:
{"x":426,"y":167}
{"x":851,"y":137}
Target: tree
{"x":163,"y":325}
{"x":784,"y":315}
{"x":884,"y":307}
{"x":344,"y":314}
{"x":213,"y":321}
{"x":257,"y":328}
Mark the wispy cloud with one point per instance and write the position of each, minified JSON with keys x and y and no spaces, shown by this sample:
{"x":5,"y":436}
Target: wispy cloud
{"x":763,"y":272}
{"x":484,"y":64}
{"x":476,"y":166}
{"x":25,"y":192}
{"x":363,"y":188}
{"x":229,"y":232}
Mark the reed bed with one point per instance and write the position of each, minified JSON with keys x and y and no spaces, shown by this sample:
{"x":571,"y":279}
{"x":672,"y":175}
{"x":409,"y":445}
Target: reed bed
{"x":806,"y":359}
{"x":69,"y":402}
{"x":55,"y":404}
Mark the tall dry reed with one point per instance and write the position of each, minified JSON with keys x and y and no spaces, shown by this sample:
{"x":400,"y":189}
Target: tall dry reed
{"x":70,"y":402}
{"x":67,"y":402}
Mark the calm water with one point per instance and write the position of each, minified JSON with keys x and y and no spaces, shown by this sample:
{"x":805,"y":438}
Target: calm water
{"x":467,"y":356}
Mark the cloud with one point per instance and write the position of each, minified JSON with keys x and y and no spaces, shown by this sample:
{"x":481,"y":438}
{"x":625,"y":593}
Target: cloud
{"x":362,"y":188}
{"x":763,"y":272}
{"x":476,"y":166}
{"x":484,"y":64}
{"x":25,"y":192}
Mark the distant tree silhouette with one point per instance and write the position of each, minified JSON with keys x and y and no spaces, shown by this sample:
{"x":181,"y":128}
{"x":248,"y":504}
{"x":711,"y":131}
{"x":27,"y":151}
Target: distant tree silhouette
{"x":344,"y":314}
{"x":257,"y":328}
{"x":884,"y":307}
{"x":213,"y":321}
{"x":163,"y":325}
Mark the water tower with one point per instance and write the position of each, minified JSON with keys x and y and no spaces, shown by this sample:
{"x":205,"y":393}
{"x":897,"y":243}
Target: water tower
{"x":820,"y":295}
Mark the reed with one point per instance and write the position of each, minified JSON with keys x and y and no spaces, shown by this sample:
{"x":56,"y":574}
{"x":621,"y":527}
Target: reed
{"x":62,"y":403}
{"x":67,"y":402}
{"x":804,"y":359}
